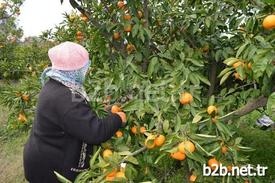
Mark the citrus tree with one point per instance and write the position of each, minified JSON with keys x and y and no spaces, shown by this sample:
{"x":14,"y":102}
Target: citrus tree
{"x":9,"y":34}
{"x":184,"y":72}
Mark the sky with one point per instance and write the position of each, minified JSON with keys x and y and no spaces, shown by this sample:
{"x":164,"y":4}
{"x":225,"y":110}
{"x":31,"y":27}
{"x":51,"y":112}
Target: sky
{"x":39,"y":15}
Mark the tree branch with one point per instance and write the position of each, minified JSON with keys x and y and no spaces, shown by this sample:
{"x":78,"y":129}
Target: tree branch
{"x":134,"y":153}
{"x":212,"y":77}
{"x":249,"y":107}
{"x":147,"y":44}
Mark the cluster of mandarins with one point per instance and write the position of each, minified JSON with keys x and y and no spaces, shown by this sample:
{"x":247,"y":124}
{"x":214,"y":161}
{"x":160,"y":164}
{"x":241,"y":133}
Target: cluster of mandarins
{"x":243,"y":65}
{"x":187,"y":98}
{"x":127,"y":17}
{"x":268,"y":24}
{"x":115,"y":174}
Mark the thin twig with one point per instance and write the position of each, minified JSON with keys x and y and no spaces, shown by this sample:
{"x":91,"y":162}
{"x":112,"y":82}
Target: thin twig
{"x":134,"y":153}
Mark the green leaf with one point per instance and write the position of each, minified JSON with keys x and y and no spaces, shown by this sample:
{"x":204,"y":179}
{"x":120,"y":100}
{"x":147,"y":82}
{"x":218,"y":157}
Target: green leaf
{"x":165,"y":126}
{"x":197,"y":118}
{"x":132,"y":159}
{"x":135,"y":30}
{"x":201,"y":149}
{"x":241,"y":49}
{"x":83,"y":177}
{"x":230,"y":61}
{"x":195,"y":156}
{"x":148,"y":32}
{"x":211,"y":100}
{"x":133,"y":105}
{"x":224,"y":129}
{"x":159,"y":158}
{"x":141,"y":35}
{"x":135,"y":67}
{"x":224,"y":71}
{"x":92,"y":161}
{"x":204,"y":79}
{"x":208,"y":22}
{"x":61,"y":178}
{"x":195,"y":62}
{"x":224,"y":78}
{"x":178,"y":123}
{"x":245,"y":149}
{"x":152,"y":65}
{"x":271,"y":106}
{"x":206,"y":136}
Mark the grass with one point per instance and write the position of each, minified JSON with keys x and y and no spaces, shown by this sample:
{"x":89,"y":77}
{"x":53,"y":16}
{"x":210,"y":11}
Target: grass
{"x":263,"y":143}
{"x":11,"y":163}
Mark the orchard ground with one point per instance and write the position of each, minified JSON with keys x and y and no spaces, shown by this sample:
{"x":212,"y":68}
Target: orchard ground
{"x":11,"y":170}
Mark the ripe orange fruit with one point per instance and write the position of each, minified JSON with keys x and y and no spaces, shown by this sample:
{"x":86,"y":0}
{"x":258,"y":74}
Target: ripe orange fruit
{"x":159,"y":140}
{"x":21,"y":117}
{"x":116,"y":36}
{"x":178,"y":155}
{"x":115,"y":109}
{"x":224,"y":149}
{"x":192,"y":178}
{"x":112,"y":174}
{"x":269,"y":22}
{"x":139,"y":14}
{"x":128,"y":28}
{"x":205,"y":49}
{"x":120,"y":4}
{"x":142,"y":129}
{"x":80,"y":38}
{"x":237,"y":64}
{"x":185,"y":98}
{"x":249,"y":66}
{"x":79,"y":33}
{"x":186,"y":146}
{"x":134,"y":130}
{"x":84,"y":18}
{"x":107,"y":153}
{"x":25,"y":98}
{"x":212,"y":162}
{"x":212,"y":110}
{"x":120,"y":175}
{"x":237,"y":76}
{"x":149,"y":143}
{"x":119,"y":134}
{"x":130,"y":48}
{"x":110,"y":178}
{"x":127,"y":17}
{"x":246,"y":181}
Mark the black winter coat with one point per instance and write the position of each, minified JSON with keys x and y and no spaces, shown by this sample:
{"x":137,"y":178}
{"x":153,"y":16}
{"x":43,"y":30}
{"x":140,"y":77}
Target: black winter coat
{"x":62,"y":135}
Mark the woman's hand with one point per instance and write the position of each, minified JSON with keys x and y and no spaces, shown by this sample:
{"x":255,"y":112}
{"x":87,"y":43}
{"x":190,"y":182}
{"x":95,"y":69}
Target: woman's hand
{"x":122,"y":116}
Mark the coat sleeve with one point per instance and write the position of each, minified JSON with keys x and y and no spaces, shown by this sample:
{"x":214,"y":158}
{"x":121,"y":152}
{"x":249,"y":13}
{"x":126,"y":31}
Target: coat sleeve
{"x":80,"y":121}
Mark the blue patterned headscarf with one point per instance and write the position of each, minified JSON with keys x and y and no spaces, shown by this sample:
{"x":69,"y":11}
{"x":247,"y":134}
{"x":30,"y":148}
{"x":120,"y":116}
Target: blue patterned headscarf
{"x":72,"y":79}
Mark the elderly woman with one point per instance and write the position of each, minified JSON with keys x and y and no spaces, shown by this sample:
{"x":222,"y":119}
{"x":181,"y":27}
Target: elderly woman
{"x":65,"y":127}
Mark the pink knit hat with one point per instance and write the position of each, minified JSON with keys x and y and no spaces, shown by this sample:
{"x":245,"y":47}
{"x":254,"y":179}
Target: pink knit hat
{"x":68,"y":56}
